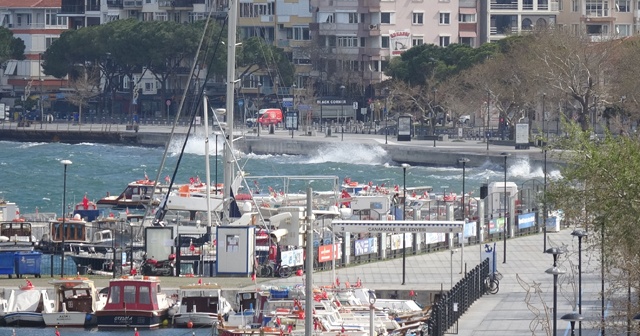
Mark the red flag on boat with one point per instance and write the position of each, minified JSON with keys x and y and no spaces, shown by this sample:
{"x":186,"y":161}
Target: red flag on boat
{"x":253,"y":277}
{"x":343,"y":330}
{"x":412,"y":293}
{"x":85,"y":202}
{"x":192,"y":180}
{"x":192,"y":247}
{"x":200,"y":281}
{"x":337,"y":282}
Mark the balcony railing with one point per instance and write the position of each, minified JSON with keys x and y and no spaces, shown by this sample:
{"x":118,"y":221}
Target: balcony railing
{"x":132,"y":4}
{"x":114,"y":3}
{"x":175,"y":3}
{"x":72,"y":9}
{"x":509,"y":6}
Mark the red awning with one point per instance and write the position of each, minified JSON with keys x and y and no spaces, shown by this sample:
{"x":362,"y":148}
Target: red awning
{"x":468,"y":34}
{"x":468,"y":11}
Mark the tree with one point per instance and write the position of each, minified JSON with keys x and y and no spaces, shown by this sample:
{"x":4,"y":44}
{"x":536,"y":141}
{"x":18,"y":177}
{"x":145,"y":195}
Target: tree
{"x":256,"y":55}
{"x":10,"y":47}
{"x":85,"y":87}
{"x":599,"y":192}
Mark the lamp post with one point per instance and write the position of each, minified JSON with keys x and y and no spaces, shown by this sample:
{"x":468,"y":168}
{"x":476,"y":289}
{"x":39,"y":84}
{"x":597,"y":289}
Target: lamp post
{"x":293,"y":107}
{"x":64,"y":205}
{"x":488,"y":118}
{"x":580,"y":234}
{"x":386,"y":113}
{"x":544,"y":119}
{"x":40,"y":84}
{"x":404,"y":212}
{"x":464,"y":163}
{"x":342,"y":109}
{"x":555,"y":271}
{"x":505,"y":155}
{"x":372,"y":308}
{"x":259,"y":106}
{"x":544,"y":205}
{"x":573,"y":318}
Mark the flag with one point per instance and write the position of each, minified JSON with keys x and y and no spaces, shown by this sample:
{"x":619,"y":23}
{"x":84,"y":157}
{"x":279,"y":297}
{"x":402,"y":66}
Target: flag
{"x":200,"y":281}
{"x":253,"y":277}
{"x":127,"y":211}
{"x":337,"y":282}
{"x":192,"y":247}
{"x":412,"y":293}
{"x":85,"y":202}
{"x":342,"y":329}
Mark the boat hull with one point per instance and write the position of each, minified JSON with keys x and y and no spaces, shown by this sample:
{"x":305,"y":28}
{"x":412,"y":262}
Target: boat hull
{"x":70,"y":319}
{"x":25,"y":319}
{"x":130,"y":319}
{"x":198,"y":319}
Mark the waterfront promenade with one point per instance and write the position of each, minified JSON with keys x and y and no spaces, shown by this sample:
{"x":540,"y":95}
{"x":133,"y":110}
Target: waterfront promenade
{"x":505,"y":313}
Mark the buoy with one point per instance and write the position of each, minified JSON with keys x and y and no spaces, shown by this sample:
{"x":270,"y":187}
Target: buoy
{"x":189,"y":324}
{"x":57,"y":331}
{"x":136,"y":333}
{"x":165,"y":322}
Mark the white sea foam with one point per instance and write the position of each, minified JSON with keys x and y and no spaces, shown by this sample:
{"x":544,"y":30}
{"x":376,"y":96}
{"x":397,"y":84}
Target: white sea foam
{"x":350,"y":153}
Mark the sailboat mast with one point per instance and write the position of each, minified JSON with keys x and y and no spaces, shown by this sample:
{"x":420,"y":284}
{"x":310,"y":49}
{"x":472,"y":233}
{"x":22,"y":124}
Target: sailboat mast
{"x":231,"y":81}
{"x":207,"y":166}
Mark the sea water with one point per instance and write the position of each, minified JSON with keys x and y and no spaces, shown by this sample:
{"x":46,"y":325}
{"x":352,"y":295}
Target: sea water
{"x":32,"y":176}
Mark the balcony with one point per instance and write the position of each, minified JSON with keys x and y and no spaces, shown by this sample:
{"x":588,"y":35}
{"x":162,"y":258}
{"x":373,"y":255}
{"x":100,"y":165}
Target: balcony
{"x":369,"y":29}
{"x":114,"y":3}
{"x":503,"y":31}
{"x":327,"y":28}
{"x":175,"y":4}
{"x":132,"y":4}
{"x":369,"y":6}
{"x":72,"y":10}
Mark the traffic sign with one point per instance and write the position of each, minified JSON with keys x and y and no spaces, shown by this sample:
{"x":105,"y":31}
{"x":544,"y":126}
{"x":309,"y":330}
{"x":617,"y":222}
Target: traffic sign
{"x":287,"y":104}
{"x":240,"y":102}
{"x":355,"y":105}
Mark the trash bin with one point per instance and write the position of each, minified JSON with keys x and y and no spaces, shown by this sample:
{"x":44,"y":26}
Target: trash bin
{"x":7,"y":264}
{"x":28,"y":263}
{"x":272,"y":129}
{"x":82,"y":270}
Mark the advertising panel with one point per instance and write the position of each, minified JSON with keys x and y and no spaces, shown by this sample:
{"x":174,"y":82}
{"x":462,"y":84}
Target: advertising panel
{"x":292,"y":258}
{"x":366,"y":246}
{"x":470,"y":229}
{"x":496,"y":225}
{"x":396,"y":241}
{"x":324,"y":252}
{"x":399,"y":41}
{"x":526,"y":220}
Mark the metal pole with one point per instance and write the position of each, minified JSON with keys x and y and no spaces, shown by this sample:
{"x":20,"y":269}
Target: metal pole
{"x":602,"y":311}
{"x":308,"y":303}
{"x":342,"y":113}
{"x":580,"y":284}
{"x":544,"y":205}
{"x":505,"y":210}
{"x":544,"y":120}
{"x":488,"y":118}
{"x":386,"y":129}
{"x":39,"y":84}
{"x":555,"y":300}
{"x":64,"y":204}
{"x":404,"y":211}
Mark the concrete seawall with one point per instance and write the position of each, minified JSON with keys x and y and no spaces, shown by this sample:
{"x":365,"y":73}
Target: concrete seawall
{"x":415,"y":152}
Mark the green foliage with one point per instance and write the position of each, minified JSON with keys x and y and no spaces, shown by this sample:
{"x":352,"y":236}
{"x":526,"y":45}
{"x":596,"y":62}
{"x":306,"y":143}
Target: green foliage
{"x":255,"y":54}
{"x":10,"y":47}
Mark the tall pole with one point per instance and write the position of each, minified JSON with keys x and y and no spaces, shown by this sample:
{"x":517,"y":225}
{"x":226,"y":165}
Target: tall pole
{"x":580,"y":234}
{"x":555,"y":271}
{"x":544,"y":204}
{"x":342,"y":109}
{"x":464,"y":162}
{"x":404,"y":212}
{"x":486,"y":131}
{"x":40,"y":84}
{"x":386,"y":130}
{"x":602,"y":311}
{"x":229,"y":169}
{"x":64,"y":205}
{"x":308,"y":303}
{"x":544,"y":120}
{"x":505,"y":155}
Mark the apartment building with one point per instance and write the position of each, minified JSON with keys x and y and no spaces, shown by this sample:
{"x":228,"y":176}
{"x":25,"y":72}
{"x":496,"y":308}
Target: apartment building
{"x":600,"y":19}
{"x":38,"y":23}
{"x":506,"y":17}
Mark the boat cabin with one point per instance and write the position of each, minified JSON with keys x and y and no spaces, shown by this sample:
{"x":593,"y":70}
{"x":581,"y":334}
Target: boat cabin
{"x":200,"y":298}
{"x":74,"y":295}
{"x":17,"y":231}
{"x":74,"y":231}
{"x":133,"y":294}
{"x":102,"y":236}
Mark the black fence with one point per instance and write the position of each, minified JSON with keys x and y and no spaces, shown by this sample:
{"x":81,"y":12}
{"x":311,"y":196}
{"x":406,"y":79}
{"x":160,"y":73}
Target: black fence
{"x":446,"y":312}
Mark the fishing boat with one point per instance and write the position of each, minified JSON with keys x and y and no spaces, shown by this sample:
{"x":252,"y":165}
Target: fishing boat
{"x":26,"y":305}
{"x":17,"y":235}
{"x":134,"y":301}
{"x":200,"y":305}
{"x":137,"y":195}
{"x":76,"y":302}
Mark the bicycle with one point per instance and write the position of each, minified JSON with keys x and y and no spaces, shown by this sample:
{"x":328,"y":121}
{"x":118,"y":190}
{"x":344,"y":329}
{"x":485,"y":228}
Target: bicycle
{"x":492,"y":282}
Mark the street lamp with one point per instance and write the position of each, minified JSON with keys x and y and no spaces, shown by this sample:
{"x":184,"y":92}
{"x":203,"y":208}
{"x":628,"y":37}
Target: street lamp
{"x":555,"y":271}
{"x":293,"y":107}
{"x":386,"y":113}
{"x":464,"y":163}
{"x":259,"y":106}
{"x":580,"y":234}
{"x":505,"y":155}
{"x":544,"y":120}
{"x":404,"y":212}
{"x":342,"y":109}
{"x":64,"y":204}
{"x":372,"y":302}
{"x":573,"y":318}
{"x":488,"y":118}
{"x":40,"y":84}
{"x":544,"y":204}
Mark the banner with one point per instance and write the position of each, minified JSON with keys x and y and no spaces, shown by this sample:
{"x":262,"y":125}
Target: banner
{"x":434,"y":238}
{"x":324,"y":253}
{"x":396,"y":241}
{"x":526,"y":220}
{"x":496,"y":225}
{"x":366,"y":246}
{"x":470,"y":229}
{"x":292,"y":258}
{"x":399,"y":41}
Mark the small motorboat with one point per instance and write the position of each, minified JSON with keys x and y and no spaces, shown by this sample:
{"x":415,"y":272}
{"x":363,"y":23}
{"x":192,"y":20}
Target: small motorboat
{"x":26,"y":305}
{"x":76,"y":302}
{"x":200,"y":305}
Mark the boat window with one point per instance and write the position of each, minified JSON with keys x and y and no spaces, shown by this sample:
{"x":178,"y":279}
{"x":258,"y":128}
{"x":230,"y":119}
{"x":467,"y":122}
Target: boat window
{"x":144,"y":297}
{"x":129,"y":294}
{"x":154,"y":294}
{"x":114,"y":295}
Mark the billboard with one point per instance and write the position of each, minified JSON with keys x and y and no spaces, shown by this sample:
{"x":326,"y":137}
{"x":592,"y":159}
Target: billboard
{"x":396,"y":241}
{"x":399,"y":41}
{"x":366,"y":246}
{"x":292,"y":258}
{"x":324,"y":253}
{"x":526,"y":220}
{"x":470,"y":229}
{"x":496,"y":225}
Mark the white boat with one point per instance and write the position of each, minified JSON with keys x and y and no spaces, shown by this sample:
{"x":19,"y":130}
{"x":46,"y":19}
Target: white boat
{"x":200,"y":305}
{"x":76,"y":301}
{"x":26,"y":305}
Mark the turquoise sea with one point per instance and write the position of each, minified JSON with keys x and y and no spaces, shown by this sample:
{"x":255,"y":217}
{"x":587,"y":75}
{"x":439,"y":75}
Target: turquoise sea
{"x":31,"y":175}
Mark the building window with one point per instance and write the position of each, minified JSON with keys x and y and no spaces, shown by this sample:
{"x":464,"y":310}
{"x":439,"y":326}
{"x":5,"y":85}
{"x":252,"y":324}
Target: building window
{"x":353,"y":18}
{"x":418,"y":18}
{"x":160,"y":16}
{"x":597,"y":8}
{"x":467,"y":41}
{"x":386,"y":18}
{"x":445,"y":41}
{"x":417,"y":40}
{"x":385,"y":42}
{"x":301,"y":33}
{"x":467,"y":18}
{"x":623,"y":6}
{"x":347,"y":41}
{"x":445,"y":18}
{"x":256,"y":9}
{"x":575,"y":6}
{"x":623,"y":30}
{"x":52,"y":19}
{"x":49,"y":41}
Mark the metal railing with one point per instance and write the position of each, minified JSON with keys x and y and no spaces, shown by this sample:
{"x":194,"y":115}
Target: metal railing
{"x":446,"y":312}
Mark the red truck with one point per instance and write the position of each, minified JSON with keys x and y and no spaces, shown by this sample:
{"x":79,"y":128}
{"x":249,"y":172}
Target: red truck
{"x":271,"y":116}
